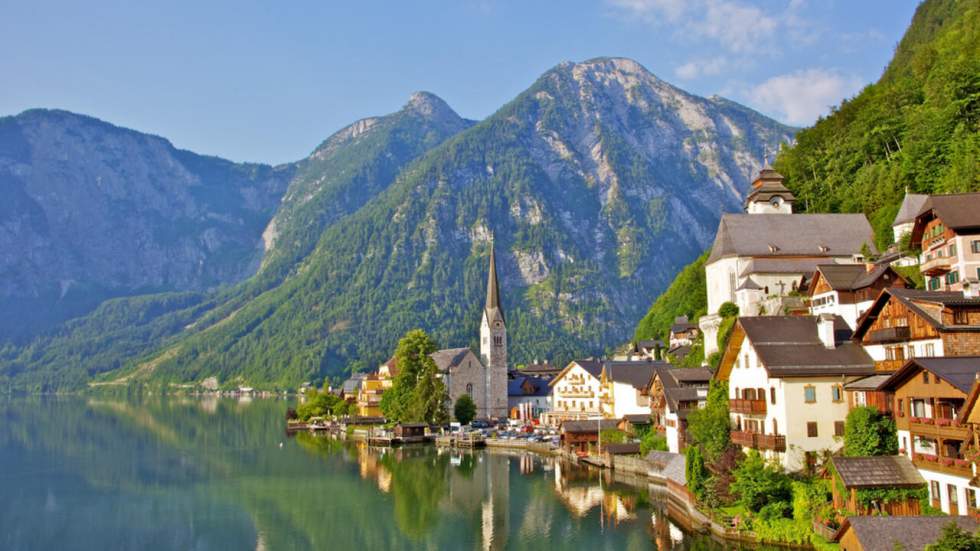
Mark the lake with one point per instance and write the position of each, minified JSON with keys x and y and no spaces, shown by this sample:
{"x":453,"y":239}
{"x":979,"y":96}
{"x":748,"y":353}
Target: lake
{"x":176,"y":473}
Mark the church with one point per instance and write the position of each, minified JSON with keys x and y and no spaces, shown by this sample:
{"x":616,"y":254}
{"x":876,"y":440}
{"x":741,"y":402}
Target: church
{"x":483,"y":378}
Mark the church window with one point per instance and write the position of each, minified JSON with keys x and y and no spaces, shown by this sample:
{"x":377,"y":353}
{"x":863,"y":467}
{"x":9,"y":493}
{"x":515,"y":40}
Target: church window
{"x":469,"y":388}
{"x":498,"y":340}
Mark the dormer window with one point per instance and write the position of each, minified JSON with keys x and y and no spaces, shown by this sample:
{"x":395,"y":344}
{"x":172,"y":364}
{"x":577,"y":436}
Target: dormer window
{"x":824,"y":248}
{"x":773,"y":248}
{"x":775,"y":201}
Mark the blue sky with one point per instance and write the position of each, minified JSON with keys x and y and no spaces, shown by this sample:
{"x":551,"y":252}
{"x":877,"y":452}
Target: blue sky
{"x":267,"y":81}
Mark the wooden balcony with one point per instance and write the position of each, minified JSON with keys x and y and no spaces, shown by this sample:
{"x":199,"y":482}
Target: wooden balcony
{"x":889,"y":366}
{"x":937,"y":265}
{"x":748,"y":407}
{"x":947,"y":429}
{"x":889,"y":334}
{"x":948,"y":465}
{"x":775,"y":442}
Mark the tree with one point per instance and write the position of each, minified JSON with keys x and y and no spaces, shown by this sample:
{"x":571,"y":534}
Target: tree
{"x":757,"y":484}
{"x":465,"y":409}
{"x":652,"y":440}
{"x":695,"y":472}
{"x":417,"y":394}
{"x":728,"y":310}
{"x":709,"y":427}
{"x":954,"y":538}
{"x":869,"y":432}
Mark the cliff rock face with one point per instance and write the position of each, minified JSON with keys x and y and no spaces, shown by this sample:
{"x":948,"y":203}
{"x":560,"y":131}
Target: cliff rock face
{"x":596,"y":184}
{"x":91,"y":210}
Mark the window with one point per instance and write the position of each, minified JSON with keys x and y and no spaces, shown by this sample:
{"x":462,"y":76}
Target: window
{"x":961,"y":317}
{"x":498,"y":340}
{"x":952,"y":277}
{"x":953,"y":495}
{"x":837,"y":392}
{"x":975,"y":246}
{"x":971,"y":498}
{"x":901,"y":408}
{"x":925,"y":377}
{"x":930,"y":350}
{"x":775,"y":427}
{"x":838,"y":428}
{"x":772,"y":396}
{"x":934,"y":283}
{"x":952,"y":250}
{"x":811,"y":429}
{"x":469,"y":389}
{"x":745,"y":362}
{"x":934,"y":490}
{"x":809,"y":394}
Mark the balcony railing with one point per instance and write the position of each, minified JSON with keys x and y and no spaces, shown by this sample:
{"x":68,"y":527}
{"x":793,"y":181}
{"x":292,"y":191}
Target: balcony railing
{"x":949,"y":465}
{"x":941,"y":427}
{"x":937,"y":265}
{"x":775,"y":442}
{"x":889,"y":334}
{"x":750,"y":407}
{"x":889,"y":365}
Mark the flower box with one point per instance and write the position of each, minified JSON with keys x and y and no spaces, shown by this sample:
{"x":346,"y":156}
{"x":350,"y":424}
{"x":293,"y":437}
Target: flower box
{"x":947,"y":461}
{"x":964,"y":463}
{"x":915,"y":419}
{"x":943,"y":422}
{"x":926,"y":420}
{"x":931,"y":458}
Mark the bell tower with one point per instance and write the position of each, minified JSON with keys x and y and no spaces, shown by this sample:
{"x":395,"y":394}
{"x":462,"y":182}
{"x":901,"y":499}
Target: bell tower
{"x":493,"y":345}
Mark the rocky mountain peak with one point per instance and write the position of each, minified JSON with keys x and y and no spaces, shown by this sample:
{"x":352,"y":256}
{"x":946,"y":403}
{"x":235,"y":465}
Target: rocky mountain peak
{"x":429,"y":105}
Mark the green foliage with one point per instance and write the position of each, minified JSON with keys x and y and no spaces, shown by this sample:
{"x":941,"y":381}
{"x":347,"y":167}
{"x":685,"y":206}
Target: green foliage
{"x":612,"y":436}
{"x":686,"y":296}
{"x":464,"y":410}
{"x":954,"y":538}
{"x":652,"y":441}
{"x":811,"y":499}
{"x":318,"y":404}
{"x":757,"y":483}
{"x":695,"y":471}
{"x":868,"y":497}
{"x":728,"y":310}
{"x":417,"y":394}
{"x":918,"y":127}
{"x":868,"y":432}
{"x":709,"y":427}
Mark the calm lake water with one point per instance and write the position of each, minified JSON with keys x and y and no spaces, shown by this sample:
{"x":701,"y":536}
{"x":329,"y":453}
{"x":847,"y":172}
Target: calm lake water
{"x":169,"y":473}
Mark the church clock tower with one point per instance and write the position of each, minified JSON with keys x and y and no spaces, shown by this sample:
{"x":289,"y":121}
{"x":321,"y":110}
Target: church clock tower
{"x":493,"y":345}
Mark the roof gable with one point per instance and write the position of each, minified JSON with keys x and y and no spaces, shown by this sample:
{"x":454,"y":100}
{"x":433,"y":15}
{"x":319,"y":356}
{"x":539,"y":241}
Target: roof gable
{"x":818,"y":235}
{"x":895,"y":471}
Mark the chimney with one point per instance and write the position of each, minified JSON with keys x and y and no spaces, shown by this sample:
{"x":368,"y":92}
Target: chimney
{"x":869,"y":267}
{"x":825,"y":330}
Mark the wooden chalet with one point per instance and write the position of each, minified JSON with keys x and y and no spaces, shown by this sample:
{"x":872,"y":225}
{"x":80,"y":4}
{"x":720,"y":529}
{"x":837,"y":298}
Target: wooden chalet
{"x":853,"y":474}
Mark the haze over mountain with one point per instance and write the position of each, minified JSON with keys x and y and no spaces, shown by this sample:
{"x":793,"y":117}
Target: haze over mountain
{"x":595,"y":184}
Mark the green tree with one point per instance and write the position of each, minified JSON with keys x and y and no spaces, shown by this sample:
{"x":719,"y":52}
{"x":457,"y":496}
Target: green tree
{"x":868,"y":432}
{"x":417,"y":394}
{"x":954,"y":538}
{"x":652,"y":441}
{"x":465,"y":409}
{"x":757,"y":484}
{"x":709,"y":427}
{"x":695,"y":471}
{"x":728,"y":310}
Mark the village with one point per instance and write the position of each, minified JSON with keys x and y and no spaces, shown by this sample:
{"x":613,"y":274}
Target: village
{"x":845,"y":394}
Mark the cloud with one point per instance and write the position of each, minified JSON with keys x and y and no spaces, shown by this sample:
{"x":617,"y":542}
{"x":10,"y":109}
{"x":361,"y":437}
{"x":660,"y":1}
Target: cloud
{"x":736,"y":26}
{"x":701,"y":67}
{"x":800,"y":97}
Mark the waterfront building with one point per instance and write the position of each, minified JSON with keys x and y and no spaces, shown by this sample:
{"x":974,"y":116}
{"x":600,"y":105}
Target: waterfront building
{"x":786,"y":377}
{"x":877,"y":533}
{"x":623,"y":387}
{"x":848,"y":290}
{"x":947,"y":231}
{"x":575,"y":392}
{"x":349,"y":389}
{"x":930,"y":395}
{"x":369,"y":396}
{"x":528,"y":397}
{"x":909,"y":323}
{"x":541,"y":369}
{"x":675,"y":392}
{"x":760,"y":259}
{"x":577,"y":436}
{"x":852,"y":475}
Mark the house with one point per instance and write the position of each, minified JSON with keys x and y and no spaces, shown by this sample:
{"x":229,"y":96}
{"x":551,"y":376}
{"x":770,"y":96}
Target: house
{"x":575,"y":392}
{"x":760,"y":259}
{"x":876,"y":533}
{"x":528,"y":397}
{"x":641,"y":350}
{"x":902,"y":225}
{"x":848,"y":290}
{"x":930,"y":395}
{"x":577,"y":436}
{"x":852,"y":475}
{"x":675,"y":392}
{"x":410,"y":431}
{"x":623,"y":386}
{"x":786,"y":377}
{"x":369,"y":396}
{"x":541,"y":369}
{"x":635,"y":424}
{"x":909,"y":323}
{"x":609,"y":451}
{"x":683,"y":332}
{"x":866,"y":392}
{"x":350,"y":387}
{"x":947,"y":231}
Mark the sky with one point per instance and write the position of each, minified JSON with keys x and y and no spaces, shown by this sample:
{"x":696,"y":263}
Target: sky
{"x":268,"y":81}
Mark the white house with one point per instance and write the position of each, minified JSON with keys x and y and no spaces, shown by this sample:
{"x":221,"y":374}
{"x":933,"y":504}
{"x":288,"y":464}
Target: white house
{"x":786,"y":377}
{"x":674,"y":393}
{"x":528,"y":397}
{"x":624,"y":387}
{"x":759,"y":259}
{"x":848,"y":290}
{"x":575,"y":392}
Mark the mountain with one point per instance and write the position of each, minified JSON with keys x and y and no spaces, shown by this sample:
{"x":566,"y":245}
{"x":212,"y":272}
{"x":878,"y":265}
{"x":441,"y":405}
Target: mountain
{"x":596,"y":184}
{"x":92,"y":211}
{"x":336,"y":179}
{"x":916,"y":129}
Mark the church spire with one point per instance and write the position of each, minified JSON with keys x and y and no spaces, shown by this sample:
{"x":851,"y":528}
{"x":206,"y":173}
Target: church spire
{"x":493,"y":290}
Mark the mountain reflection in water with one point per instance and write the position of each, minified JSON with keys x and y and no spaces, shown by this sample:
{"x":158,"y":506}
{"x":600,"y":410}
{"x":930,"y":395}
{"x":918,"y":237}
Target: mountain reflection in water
{"x":181,"y":473}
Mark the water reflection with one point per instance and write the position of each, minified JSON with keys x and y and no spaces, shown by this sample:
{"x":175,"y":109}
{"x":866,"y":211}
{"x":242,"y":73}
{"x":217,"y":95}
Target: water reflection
{"x":220,"y":474}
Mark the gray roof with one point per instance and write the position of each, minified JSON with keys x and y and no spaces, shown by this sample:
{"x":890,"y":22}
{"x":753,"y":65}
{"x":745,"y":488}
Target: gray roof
{"x":353,"y":384}
{"x":868,"y":383}
{"x":959,"y":371}
{"x":493,"y":309}
{"x":626,"y":448}
{"x":638,"y":418}
{"x":879,"y":471}
{"x":912,"y":533}
{"x":789,"y":346}
{"x":588,"y":425}
{"x":448,"y":357}
{"x":958,"y":211}
{"x":634,"y":373}
{"x":781,"y":266}
{"x":917,"y":300}
{"x":911,"y":206}
{"x":516,"y":387}
{"x":819,"y":235}
{"x":769,"y":184}
{"x":681,"y":384}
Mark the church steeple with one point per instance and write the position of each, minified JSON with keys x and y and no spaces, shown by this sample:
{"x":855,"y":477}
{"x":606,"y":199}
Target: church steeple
{"x":493,"y":289}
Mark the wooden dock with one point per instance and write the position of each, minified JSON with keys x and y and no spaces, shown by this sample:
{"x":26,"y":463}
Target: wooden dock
{"x":462,"y":440}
